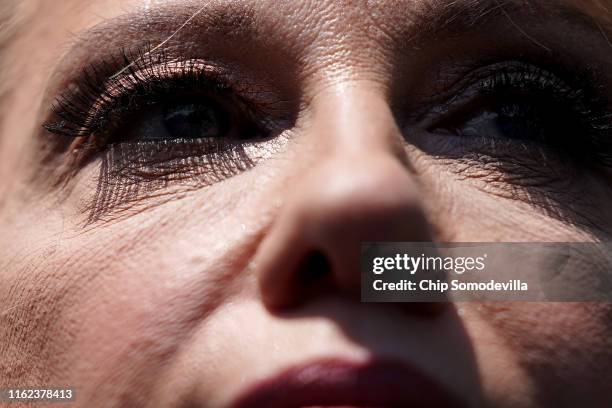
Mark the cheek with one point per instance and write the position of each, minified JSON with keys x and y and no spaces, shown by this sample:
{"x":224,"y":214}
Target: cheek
{"x":556,"y":346}
{"x":131,"y":293}
{"x":471,"y":202}
{"x":559,"y":334}
{"x":116,"y":298}
{"x":123,"y":334}
{"x":131,"y":321}
{"x":460,"y":213}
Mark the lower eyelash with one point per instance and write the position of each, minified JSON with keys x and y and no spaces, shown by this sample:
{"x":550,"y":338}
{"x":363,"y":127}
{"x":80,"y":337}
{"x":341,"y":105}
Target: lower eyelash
{"x":130,"y":173}
{"x":95,"y":109}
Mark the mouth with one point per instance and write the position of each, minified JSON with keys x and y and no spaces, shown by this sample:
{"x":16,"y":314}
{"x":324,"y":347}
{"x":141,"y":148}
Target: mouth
{"x":337,"y":383}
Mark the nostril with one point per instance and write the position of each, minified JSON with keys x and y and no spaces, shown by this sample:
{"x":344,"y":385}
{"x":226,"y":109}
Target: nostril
{"x":314,"y":269}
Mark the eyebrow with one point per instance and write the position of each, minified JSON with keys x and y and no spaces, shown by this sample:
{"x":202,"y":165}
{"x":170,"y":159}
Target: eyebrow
{"x":192,"y":23}
{"x":460,"y":15}
{"x":167,"y":20}
{"x":240,"y":18}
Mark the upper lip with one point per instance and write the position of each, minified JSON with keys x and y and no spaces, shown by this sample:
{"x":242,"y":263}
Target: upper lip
{"x":335,"y":382}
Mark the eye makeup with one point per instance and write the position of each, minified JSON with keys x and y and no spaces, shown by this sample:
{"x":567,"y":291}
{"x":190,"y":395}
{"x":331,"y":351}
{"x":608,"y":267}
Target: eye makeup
{"x":154,"y":121}
{"x":110,"y":89}
{"x":114,"y":100}
{"x":530,"y":106}
{"x":528,"y":132}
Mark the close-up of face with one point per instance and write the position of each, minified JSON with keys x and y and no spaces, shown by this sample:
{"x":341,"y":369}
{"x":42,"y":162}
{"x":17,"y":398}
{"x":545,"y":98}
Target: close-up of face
{"x":185,"y":186}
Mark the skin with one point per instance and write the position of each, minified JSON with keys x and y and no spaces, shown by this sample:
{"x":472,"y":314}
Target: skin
{"x":171,"y":298}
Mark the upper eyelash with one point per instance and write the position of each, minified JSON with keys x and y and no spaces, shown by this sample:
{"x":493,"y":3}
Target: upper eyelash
{"x":590,"y":107}
{"x":99,"y":93}
{"x":517,"y":73}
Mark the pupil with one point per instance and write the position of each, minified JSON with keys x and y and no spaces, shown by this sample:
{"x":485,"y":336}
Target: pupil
{"x":193,"y":121}
{"x":519,"y":122}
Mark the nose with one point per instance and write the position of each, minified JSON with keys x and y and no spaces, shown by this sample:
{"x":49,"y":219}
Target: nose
{"x":357,"y":188}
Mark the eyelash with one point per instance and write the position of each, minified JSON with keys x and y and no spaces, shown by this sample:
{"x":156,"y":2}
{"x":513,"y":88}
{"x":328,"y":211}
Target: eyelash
{"x":535,"y":85}
{"x":101,"y":101}
{"x":107,"y":92}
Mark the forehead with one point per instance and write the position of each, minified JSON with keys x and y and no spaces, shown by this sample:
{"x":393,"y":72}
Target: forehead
{"x":322,"y":26}
{"x":340,"y":35}
{"x":326,"y":25}
{"x":327,"y":17}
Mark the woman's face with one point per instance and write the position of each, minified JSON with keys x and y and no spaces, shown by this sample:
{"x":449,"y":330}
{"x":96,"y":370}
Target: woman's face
{"x":185,"y":228}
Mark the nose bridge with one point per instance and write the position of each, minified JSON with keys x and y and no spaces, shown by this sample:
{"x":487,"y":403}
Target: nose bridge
{"x":355,"y":119}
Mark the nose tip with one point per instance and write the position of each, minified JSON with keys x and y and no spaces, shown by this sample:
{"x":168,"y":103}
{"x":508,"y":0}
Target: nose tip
{"x":314,"y":245}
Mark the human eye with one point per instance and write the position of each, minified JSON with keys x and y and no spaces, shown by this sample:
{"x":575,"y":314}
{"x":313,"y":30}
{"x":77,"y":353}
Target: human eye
{"x":153,"y":120}
{"x":523,"y":109}
{"x":534,"y":133}
{"x":191,"y":99}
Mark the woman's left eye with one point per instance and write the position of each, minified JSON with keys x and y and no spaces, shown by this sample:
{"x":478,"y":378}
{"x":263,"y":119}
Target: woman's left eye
{"x":515,"y":118}
{"x":530,"y":106}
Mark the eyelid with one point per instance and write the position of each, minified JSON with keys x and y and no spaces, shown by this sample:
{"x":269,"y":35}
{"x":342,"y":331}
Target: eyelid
{"x":101,"y":104}
{"x":476,"y":82}
{"x":586,"y":135}
{"x":100,"y":87}
{"x":74,"y":112}
{"x":126,"y":83}
{"x":159,"y":85}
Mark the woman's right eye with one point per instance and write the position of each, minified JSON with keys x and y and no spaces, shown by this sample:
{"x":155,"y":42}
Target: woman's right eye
{"x":161,"y":124}
{"x":192,"y":121}
{"x":156,"y":99}
{"x":187,"y":119}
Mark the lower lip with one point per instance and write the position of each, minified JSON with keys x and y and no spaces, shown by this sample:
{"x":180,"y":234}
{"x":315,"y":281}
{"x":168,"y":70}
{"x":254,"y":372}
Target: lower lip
{"x":336,"y":383}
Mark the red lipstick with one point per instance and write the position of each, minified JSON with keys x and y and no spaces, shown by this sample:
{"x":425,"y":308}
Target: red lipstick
{"x":336,"y":383}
